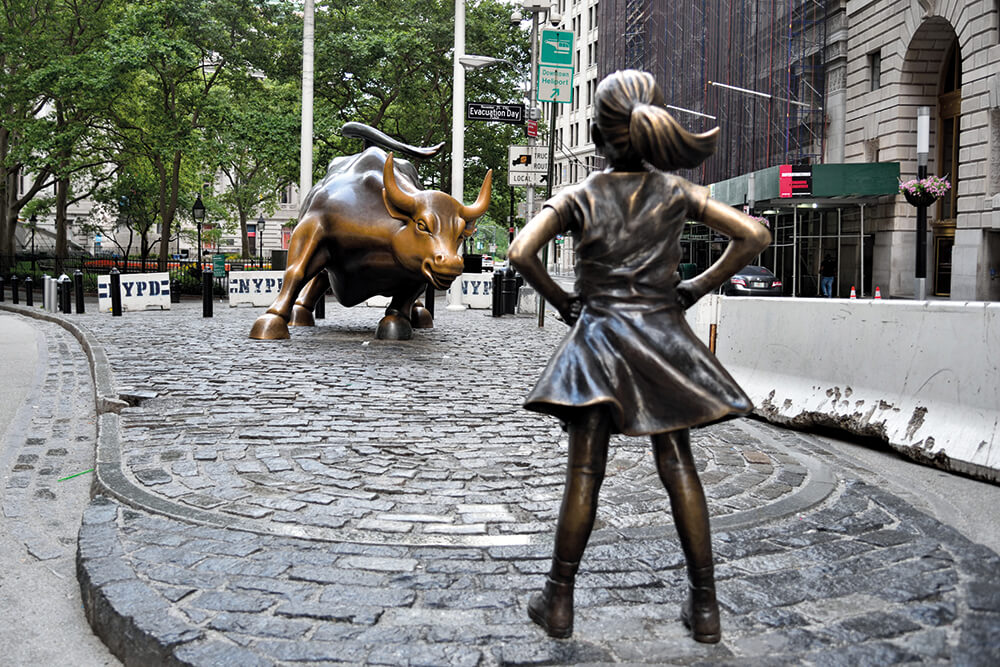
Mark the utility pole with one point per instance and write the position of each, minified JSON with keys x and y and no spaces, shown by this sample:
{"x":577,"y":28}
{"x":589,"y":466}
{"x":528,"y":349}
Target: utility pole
{"x":305,"y":154}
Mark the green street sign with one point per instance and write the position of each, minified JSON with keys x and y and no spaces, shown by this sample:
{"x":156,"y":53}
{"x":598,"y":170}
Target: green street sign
{"x":218,"y":266}
{"x":557,"y":48}
{"x":555,"y":84}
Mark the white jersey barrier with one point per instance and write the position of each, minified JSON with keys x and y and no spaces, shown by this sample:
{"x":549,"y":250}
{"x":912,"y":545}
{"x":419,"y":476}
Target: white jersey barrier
{"x":257,"y":288}
{"x":924,"y":376}
{"x":139,"y":291}
{"x":477,"y":290}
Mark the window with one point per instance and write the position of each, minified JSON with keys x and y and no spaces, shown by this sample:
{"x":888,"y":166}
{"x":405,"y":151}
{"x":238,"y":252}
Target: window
{"x":875,"y":70}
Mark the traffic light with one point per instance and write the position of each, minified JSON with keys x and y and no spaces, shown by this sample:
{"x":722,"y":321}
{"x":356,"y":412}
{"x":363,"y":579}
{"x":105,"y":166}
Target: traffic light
{"x":510,"y":234}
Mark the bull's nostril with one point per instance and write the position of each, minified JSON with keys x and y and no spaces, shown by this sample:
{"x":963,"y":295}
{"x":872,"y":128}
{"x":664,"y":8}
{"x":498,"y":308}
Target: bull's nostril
{"x":439,"y":258}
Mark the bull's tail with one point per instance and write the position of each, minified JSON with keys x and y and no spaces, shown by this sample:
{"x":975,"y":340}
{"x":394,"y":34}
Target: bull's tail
{"x":373,"y":137}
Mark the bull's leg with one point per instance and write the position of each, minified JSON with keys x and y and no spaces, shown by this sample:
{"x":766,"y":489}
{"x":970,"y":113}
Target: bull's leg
{"x":307,"y":257}
{"x":420,"y":317}
{"x":302,"y":311}
{"x":395,"y":325}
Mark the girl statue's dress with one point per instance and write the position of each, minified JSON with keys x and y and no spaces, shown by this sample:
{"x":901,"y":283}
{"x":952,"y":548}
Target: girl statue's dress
{"x":631,"y":347}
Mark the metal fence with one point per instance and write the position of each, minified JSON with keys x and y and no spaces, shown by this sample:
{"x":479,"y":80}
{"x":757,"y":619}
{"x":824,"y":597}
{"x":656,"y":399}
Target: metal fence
{"x":185,"y":274}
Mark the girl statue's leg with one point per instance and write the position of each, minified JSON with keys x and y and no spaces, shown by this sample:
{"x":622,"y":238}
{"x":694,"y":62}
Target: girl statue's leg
{"x":588,"y":454}
{"x":687,"y":502}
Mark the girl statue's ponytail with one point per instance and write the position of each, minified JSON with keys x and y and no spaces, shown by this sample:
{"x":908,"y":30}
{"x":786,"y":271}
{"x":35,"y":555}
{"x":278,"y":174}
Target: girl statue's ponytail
{"x":629,"y":113}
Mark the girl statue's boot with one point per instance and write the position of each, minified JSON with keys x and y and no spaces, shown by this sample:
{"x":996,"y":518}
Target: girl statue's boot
{"x":553,"y":607}
{"x":701,"y":611}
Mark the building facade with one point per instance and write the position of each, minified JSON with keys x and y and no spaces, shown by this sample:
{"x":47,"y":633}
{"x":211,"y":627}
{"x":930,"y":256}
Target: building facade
{"x":802,"y":82}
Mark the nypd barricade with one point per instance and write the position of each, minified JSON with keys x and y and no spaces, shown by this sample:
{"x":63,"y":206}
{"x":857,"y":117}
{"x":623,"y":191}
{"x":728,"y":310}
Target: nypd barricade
{"x":139,"y":291}
{"x":477,"y":290}
{"x":257,"y":288}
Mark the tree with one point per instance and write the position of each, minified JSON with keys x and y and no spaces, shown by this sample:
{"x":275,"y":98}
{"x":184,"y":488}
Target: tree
{"x":73,"y":80}
{"x":388,"y":64}
{"x":256,"y":144}
{"x":23,"y":29}
{"x":177,"y":53}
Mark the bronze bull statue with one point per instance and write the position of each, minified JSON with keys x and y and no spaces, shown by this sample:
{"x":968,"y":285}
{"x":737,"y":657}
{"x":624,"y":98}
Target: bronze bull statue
{"x":371,"y":228}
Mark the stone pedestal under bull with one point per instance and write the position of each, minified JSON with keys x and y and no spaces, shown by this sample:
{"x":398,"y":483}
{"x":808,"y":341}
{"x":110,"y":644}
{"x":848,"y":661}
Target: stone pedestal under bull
{"x":368,"y":229}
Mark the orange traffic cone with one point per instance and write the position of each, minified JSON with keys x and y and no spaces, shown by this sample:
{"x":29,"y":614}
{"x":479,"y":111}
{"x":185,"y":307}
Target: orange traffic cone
{"x":878,"y":293}
{"x":854,"y":295}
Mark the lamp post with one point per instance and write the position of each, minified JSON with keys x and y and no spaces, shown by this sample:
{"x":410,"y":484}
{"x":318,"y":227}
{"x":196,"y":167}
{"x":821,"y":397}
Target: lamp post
{"x":463,"y":62}
{"x":198,"y":213}
{"x":260,"y":239}
{"x":923,"y":148}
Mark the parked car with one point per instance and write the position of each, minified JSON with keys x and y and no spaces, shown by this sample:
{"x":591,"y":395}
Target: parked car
{"x":753,"y":281}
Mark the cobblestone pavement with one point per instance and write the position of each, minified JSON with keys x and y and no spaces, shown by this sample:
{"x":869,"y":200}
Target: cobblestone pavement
{"x":332,"y":498}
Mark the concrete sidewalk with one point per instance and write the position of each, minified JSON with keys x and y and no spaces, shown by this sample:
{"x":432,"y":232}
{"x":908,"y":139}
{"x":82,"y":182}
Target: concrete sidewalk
{"x":333,"y":498}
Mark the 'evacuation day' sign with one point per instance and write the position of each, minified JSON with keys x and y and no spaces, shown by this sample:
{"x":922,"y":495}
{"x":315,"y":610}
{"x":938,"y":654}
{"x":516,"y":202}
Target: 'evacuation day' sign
{"x":502,"y":113}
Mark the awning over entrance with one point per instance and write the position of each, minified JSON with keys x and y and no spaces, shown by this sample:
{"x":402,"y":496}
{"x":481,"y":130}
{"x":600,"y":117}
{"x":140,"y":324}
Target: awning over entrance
{"x":814,"y":212}
{"x":788,"y":185}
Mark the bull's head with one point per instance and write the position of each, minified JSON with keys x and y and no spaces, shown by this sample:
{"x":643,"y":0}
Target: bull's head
{"x":435,"y":225}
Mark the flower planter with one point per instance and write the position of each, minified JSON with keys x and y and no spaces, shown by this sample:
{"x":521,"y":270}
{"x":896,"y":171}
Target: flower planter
{"x":919,"y":198}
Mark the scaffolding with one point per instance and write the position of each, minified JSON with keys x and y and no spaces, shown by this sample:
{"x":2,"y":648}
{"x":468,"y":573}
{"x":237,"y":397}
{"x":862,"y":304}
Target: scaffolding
{"x":756,"y":66}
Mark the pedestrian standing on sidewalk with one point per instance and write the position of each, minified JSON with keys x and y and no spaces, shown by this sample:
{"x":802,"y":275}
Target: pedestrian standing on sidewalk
{"x":827,"y":272}
{"x":630,"y":364}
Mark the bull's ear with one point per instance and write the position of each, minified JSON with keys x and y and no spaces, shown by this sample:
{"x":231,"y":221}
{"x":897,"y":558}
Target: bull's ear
{"x":470,"y":229}
{"x":392,"y":210}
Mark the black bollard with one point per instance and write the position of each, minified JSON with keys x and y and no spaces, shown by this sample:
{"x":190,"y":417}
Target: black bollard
{"x":65,"y":298}
{"x":206,"y":293}
{"x":29,"y":291}
{"x":78,"y":285}
{"x":509,"y":292}
{"x":175,"y":291}
{"x":497,"y":300}
{"x":429,"y":300}
{"x":2,"y":297}
{"x":14,"y":285}
{"x":319,"y":312}
{"x":116,"y":293}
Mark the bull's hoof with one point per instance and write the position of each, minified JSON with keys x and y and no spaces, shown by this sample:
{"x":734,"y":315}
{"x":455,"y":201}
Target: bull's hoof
{"x":394,"y":327}
{"x":302,"y":317}
{"x":421,"y":318}
{"x":269,"y":327}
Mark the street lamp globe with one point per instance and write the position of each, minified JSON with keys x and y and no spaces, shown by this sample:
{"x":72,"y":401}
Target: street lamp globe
{"x":198,"y":210}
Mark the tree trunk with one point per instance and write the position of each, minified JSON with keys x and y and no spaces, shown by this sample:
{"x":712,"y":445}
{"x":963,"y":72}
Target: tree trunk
{"x":243,"y":234}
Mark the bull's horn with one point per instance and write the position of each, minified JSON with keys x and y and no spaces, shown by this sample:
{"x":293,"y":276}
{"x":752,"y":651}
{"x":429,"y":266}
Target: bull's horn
{"x":470,"y":213}
{"x":401,"y":200}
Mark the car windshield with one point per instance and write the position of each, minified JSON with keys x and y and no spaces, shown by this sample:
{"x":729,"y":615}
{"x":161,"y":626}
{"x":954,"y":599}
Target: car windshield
{"x":755,"y":271}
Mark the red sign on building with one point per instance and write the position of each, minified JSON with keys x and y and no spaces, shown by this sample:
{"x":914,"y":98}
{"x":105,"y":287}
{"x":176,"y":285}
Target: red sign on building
{"x":794,"y":180}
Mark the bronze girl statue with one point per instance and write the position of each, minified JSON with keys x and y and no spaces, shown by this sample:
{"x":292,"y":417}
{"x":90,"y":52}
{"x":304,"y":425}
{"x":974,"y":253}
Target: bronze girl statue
{"x":630,"y":364}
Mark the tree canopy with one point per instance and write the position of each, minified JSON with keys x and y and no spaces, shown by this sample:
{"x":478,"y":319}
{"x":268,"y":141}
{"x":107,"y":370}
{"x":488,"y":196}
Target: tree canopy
{"x":158,"y":98}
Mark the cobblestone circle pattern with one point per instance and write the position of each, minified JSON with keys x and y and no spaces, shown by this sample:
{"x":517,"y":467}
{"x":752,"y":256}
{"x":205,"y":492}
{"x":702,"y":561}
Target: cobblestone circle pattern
{"x":334,"y":435}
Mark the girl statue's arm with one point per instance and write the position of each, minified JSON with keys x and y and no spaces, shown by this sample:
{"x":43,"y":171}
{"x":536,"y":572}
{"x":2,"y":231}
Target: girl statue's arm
{"x":747,"y":239}
{"x":523,"y":254}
